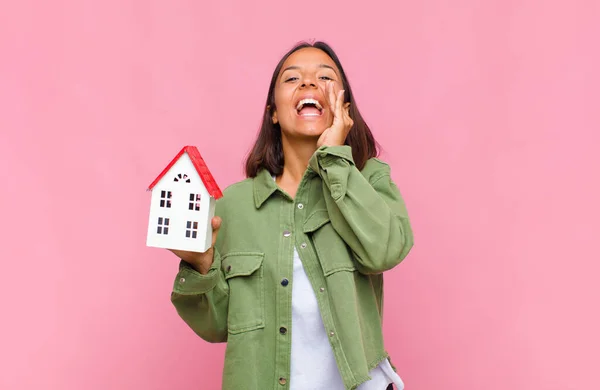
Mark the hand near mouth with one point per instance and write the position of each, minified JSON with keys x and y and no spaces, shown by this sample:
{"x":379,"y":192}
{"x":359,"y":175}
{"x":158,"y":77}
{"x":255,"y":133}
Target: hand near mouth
{"x":337,"y":133}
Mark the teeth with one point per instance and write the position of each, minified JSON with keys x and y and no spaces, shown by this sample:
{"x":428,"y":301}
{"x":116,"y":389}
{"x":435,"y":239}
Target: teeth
{"x":308,"y":101}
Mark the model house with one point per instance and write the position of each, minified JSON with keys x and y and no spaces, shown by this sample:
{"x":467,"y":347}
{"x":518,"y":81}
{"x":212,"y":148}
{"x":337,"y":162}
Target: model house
{"x":183,"y":204}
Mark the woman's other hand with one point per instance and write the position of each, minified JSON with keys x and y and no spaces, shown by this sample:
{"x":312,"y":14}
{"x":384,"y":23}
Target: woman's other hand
{"x":342,"y":123}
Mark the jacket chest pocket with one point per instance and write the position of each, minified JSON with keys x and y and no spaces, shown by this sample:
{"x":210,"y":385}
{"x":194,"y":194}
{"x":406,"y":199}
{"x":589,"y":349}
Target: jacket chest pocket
{"x":244,"y":274}
{"x":334,"y":255}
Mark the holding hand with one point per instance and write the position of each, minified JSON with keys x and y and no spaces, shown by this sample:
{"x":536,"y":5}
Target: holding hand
{"x":342,"y":123}
{"x":201,"y":262}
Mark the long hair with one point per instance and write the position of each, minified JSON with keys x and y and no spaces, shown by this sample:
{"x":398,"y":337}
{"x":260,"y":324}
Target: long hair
{"x":267,"y":151}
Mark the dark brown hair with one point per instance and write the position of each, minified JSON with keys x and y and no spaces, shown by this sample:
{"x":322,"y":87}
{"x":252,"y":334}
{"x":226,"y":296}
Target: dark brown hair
{"x":267,"y":151}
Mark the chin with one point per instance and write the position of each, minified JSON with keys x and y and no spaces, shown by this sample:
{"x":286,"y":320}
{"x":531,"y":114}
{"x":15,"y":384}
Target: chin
{"x":314,"y":128}
{"x":306,"y":131}
{"x":314,"y":131}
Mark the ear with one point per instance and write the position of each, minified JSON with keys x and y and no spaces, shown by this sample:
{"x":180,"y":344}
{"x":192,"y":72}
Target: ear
{"x":273,"y":116}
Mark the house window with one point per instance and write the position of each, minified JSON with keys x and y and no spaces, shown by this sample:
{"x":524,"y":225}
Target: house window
{"x":163,"y":226}
{"x":165,"y":199}
{"x":194,"y":202}
{"x":182,"y":177}
{"x":191,"y":229}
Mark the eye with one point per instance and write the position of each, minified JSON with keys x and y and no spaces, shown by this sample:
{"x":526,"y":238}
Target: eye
{"x":293,"y":78}
{"x":325,"y":78}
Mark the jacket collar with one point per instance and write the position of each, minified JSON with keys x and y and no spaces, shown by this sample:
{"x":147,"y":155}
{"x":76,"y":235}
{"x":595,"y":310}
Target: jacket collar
{"x":264,"y":187}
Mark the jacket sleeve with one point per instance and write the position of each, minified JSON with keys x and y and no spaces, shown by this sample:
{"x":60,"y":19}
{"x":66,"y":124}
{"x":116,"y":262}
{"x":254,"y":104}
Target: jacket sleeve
{"x":202,"y":300}
{"x":365,"y":208}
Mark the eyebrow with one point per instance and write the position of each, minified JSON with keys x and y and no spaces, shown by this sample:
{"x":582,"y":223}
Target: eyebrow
{"x":320,"y":66}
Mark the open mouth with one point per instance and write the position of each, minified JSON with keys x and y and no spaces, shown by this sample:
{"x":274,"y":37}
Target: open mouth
{"x":309,"y":107}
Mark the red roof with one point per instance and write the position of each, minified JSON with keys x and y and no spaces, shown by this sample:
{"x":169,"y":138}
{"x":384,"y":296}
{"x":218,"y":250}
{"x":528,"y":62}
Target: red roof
{"x":207,"y":178}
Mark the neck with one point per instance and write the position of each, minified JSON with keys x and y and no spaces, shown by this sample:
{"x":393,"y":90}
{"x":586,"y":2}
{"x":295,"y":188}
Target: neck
{"x":297,"y":154}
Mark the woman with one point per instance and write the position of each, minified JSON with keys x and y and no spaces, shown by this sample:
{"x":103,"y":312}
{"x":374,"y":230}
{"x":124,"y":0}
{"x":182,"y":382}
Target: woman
{"x":294,"y":279}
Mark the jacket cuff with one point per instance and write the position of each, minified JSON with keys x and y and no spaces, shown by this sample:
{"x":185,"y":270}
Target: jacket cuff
{"x":191,"y":282}
{"x":327,"y":156}
{"x":333,"y":164}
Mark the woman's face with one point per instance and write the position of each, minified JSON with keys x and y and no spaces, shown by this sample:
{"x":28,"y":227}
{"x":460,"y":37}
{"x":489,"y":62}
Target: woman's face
{"x":301,"y":101}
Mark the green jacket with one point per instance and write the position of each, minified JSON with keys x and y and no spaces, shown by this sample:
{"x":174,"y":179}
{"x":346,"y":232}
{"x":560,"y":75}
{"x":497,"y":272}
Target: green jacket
{"x":348,"y":226}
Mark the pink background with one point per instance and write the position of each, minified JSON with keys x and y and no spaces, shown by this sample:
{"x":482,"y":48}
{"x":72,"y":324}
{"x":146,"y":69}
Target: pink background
{"x":489,"y":116}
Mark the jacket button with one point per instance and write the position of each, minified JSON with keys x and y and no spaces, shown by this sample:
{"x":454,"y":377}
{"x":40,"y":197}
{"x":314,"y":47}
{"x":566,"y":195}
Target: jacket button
{"x":228,"y":268}
{"x":282,"y":381}
{"x":284,"y":282}
{"x":287,"y":233}
{"x":283,"y":330}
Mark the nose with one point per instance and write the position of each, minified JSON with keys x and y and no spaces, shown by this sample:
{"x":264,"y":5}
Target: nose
{"x":308,"y":82}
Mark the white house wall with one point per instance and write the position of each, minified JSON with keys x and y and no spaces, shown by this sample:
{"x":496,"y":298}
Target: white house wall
{"x":179,"y":212}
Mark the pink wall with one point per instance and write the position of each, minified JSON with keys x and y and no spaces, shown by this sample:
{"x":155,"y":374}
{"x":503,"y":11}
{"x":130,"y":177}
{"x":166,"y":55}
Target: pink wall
{"x":489,"y":114}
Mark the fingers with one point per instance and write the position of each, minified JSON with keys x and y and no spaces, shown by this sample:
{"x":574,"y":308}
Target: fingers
{"x":341,"y":121}
{"x":339,"y":104}
{"x":331,"y":96}
{"x":216,"y":225}
{"x":336,"y":101}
